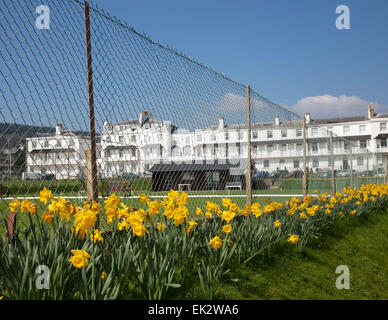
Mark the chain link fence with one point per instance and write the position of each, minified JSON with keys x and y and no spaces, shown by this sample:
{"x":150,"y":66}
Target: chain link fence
{"x":90,"y":106}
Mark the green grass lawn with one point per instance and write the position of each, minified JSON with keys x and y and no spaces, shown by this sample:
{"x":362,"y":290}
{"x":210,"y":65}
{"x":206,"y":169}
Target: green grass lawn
{"x":359,"y":243}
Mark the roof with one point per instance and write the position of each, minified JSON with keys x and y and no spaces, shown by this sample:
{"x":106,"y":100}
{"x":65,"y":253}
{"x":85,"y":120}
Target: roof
{"x":381,"y":115}
{"x":260,"y":125}
{"x":235,"y":166}
{"x":340,"y":120}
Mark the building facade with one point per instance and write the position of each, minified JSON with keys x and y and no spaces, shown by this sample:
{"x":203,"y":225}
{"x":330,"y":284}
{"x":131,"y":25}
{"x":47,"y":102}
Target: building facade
{"x":136,"y":145}
{"x":61,"y":154}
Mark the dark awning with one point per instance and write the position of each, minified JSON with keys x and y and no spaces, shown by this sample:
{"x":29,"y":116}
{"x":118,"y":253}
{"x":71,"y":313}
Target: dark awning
{"x":199,"y":165}
{"x":52,"y":150}
{"x":382,"y":136}
{"x":120,"y":147}
{"x":365,"y":137}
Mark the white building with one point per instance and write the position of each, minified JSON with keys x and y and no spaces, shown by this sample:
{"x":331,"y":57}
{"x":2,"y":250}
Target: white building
{"x":134,"y":146}
{"x":61,"y":154}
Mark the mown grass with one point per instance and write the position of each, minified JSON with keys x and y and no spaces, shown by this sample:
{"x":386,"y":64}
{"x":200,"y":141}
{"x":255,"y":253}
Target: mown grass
{"x":359,"y":243}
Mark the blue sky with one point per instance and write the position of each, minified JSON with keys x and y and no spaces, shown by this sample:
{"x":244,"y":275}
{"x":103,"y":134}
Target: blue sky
{"x":286,"y":50}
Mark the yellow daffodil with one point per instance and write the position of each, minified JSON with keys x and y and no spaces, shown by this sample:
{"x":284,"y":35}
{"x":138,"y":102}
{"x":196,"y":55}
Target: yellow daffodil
{"x":79,"y":258}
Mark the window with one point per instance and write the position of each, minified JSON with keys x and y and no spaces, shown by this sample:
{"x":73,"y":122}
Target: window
{"x":58,"y":144}
{"x":188,"y":176}
{"x":108,"y":139}
{"x":71,"y":143}
{"x":298,"y":132}
{"x":226,"y":135}
{"x":199,"y":138}
{"x":160,"y":137}
{"x":254,"y":134}
{"x":269,"y":148}
{"x":315,"y":163}
{"x":34,"y":144}
{"x":296,"y":163}
{"x":299,"y":147}
{"x":266,"y":163}
{"x":120,"y":154}
{"x":362,"y":144}
{"x":360,"y":161}
{"x":133,"y":138}
{"x":240,"y":135}
{"x":186,"y":151}
{"x":346,"y":129}
{"x":362,"y":128}
{"x":283,"y":147}
{"x":314,"y":132}
{"x":328,"y":146}
{"x":255,"y":150}
{"x":46,"y":144}
{"x":383,"y":143}
{"x":108,"y":153}
{"x":284,"y":133}
{"x":314,"y":147}
{"x":282,"y":162}
{"x":213,"y":137}
{"x":121,"y":139}
{"x":269,"y":134}
{"x":329,"y":130}
{"x":383,"y":126}
{"x":346,"y":146}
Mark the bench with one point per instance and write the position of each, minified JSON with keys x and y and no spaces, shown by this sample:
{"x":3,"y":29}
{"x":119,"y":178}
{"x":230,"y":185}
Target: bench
{"x":233,"y":186}
{"x":115,"y":186}
{"x":181,"y":186}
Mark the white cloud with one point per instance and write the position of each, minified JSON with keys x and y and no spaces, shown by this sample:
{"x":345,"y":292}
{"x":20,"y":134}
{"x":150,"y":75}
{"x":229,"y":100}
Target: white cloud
{"x":328,"y":106}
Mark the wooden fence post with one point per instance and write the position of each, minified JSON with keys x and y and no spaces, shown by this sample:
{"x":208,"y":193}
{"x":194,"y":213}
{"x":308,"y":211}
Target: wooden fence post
{"x":91,"y":163}
{"x":249,"y":167}
{"x":11,"y":224}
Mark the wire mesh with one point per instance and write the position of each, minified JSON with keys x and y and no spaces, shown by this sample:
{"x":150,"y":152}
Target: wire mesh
{"x":162,"y":120}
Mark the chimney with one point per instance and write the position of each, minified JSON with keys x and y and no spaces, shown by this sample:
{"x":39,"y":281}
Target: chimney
{"x":371,"y":111}
{"x":144,"y":116}
{"x":221,"y":122}
{"x":308,"y":117}
{"x":277,"y":121}
{"x":58,"y":129}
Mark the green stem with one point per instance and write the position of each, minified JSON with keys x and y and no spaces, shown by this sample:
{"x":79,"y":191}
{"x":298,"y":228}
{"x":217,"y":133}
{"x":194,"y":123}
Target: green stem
{"x":278,"y":239}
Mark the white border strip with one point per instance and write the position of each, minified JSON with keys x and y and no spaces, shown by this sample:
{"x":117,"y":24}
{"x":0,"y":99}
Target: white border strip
{"x":190,"y":196}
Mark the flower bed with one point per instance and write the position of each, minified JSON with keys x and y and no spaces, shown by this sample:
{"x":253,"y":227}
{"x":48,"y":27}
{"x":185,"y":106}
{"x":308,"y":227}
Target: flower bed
{"x":152,"y":253}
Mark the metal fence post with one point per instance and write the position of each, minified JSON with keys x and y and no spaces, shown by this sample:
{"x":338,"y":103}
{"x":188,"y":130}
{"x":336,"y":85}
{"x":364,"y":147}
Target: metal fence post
{"x":304,"y":181}
{"x":386,"y":170}
{"x":333,"y":187}
{"x":249,"y":167}
{"x":367,"y":166}
{"x":92,"y":159}
{"x":351,"y":164}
